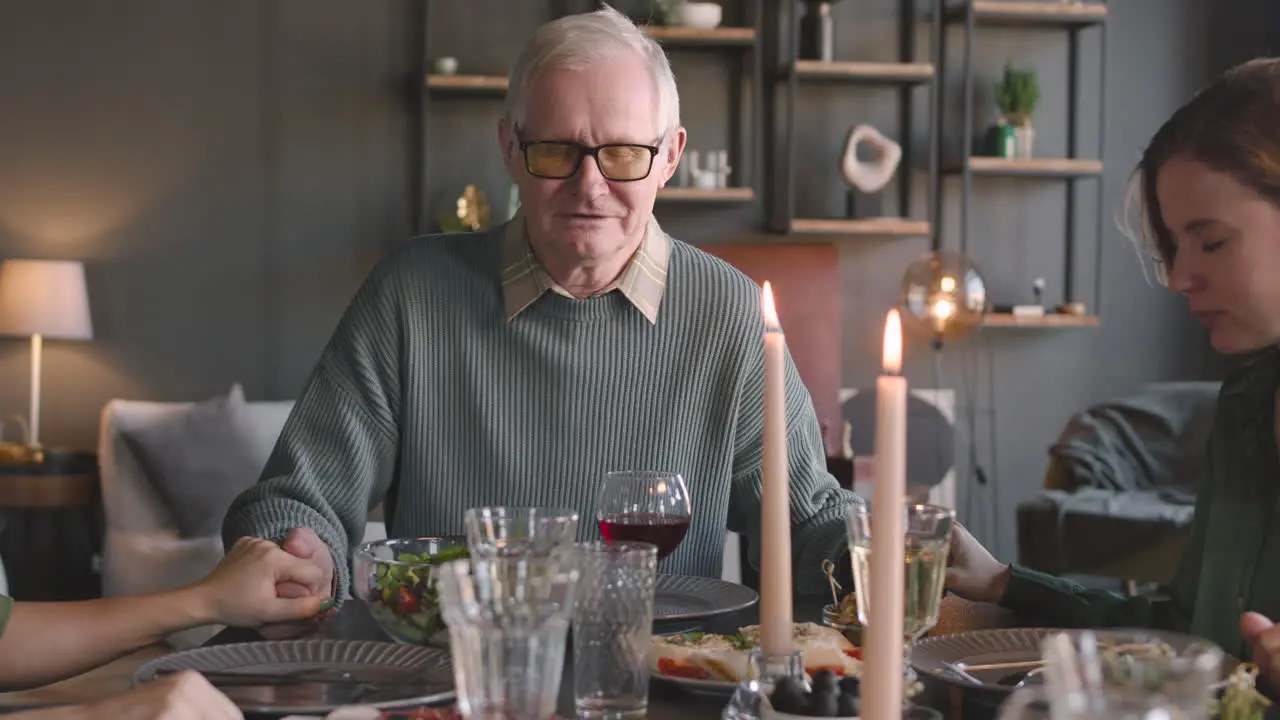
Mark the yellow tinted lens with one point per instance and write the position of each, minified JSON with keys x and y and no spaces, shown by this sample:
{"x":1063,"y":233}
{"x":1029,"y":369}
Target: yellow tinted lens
{"x":552,"y":159}
{"x":625,"y":162}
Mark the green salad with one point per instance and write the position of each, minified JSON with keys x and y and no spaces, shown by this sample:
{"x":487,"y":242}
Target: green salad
{"x":404,"y":597}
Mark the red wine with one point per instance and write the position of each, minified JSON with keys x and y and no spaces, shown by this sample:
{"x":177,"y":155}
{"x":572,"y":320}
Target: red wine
{"x":665,"y":531}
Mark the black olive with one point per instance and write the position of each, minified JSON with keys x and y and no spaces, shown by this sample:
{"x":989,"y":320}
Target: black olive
{"x":824,"y":681}
{"x":824,"y":704}
{"x":790,"y":685}
{"x":848,"y":706}
{"x":850,"y":685}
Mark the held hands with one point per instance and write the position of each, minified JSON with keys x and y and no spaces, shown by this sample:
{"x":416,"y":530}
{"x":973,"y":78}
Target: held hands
{"x":972,"y":572}
{"x":1264,"y":636}
{"x":244,"y":589}
{"x":303,"y":543}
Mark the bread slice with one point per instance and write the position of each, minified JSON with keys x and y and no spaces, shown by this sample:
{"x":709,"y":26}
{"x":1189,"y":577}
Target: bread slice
{"x":707,"y":656}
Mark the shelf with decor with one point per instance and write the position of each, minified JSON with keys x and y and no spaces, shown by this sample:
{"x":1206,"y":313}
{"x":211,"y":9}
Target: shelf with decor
{"x":468,"y":84}
{"x":727,"y":195}
{"x":1048,"y":321}
{"x":1042,"y":14}
{"x":864,"y":227}
{"x":1008,"y":148}
{"x":674,"y":36}
{"x":805,"y":53}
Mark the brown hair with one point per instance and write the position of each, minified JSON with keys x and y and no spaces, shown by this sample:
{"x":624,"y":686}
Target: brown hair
{"x":1231,"y":126}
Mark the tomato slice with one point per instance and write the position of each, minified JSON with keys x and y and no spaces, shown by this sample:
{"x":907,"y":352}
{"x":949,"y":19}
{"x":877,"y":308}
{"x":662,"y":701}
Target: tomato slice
{"x":406,"y":602}
{"x":675,"y":668}
{"x":855,"y":653}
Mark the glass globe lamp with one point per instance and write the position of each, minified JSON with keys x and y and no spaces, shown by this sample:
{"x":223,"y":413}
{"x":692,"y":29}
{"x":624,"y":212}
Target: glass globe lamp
{"x":943,"y":297}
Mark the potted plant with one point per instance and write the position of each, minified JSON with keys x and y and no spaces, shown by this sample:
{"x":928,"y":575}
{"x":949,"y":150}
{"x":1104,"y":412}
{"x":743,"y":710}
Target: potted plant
{"x":1017,"y":95}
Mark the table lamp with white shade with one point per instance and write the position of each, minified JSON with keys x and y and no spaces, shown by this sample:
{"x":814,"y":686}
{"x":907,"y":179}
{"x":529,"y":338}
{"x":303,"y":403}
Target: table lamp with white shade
{"x":43,"y":299}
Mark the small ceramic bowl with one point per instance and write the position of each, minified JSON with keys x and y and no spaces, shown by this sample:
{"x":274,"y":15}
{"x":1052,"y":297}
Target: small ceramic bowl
{"x":701,"y":15}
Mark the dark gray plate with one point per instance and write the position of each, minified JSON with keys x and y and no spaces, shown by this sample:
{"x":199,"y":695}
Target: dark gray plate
{"x":315,"y":676}
{"x":683,"y":598}
{"x":932,"y":655}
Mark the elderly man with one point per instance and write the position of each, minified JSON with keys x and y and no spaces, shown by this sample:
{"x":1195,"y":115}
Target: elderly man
{"x":517,"y":366}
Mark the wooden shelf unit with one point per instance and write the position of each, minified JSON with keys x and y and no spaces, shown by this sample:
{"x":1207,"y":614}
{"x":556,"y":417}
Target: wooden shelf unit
{"x":868,"y":227}
{"x":481,"y":84}
{"x":1031,"y":14}
{"x":864,"y":71}
{"x":1031,"y":167}
{"x":1051,"y":320}
{"x":698,"y":195}
{"x":699,"y":37}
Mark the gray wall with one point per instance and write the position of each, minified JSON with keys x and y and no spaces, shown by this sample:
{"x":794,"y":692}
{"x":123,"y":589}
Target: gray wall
{"x":231,"y":169}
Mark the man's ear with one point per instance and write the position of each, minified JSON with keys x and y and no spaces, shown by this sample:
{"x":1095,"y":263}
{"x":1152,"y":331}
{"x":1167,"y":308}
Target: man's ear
{"x":672,"y":150}
{"x":506,"y":138}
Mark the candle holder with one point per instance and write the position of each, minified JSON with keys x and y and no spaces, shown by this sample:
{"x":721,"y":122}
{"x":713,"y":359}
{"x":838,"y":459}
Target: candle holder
{"x":763,"y":672}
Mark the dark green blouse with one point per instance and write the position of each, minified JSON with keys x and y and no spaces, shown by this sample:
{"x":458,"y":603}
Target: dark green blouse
{"x":1232,"y":562}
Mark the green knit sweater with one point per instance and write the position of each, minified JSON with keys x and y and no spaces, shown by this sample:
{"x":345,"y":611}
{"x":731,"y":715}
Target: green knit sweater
{"x":429,"y":398}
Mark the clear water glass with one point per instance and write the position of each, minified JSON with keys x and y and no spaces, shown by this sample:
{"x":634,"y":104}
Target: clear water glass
{"x":519,"y":530}
{"x":612,"y":624}
{"x":508,"y":618}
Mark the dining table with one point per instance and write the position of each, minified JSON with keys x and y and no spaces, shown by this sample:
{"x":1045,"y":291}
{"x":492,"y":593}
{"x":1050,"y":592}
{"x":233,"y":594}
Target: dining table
{"x":669,"y":701}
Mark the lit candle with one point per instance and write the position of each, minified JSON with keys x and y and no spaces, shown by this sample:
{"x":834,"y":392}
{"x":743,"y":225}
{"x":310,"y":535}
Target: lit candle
{"x":884,"y":669}
{"x":775,"y":503}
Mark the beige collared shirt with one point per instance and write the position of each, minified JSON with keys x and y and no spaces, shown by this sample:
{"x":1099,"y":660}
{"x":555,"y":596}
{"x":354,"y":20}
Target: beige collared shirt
{"x":642,"y":281}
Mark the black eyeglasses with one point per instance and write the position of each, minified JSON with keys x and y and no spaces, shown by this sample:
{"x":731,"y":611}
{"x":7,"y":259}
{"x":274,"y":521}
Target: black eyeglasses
{"x":559,"y":160}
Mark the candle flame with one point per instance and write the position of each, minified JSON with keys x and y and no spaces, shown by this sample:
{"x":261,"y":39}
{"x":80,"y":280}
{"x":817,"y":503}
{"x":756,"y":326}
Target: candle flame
{"x":893,"y":343}
{"x":768,"y":309}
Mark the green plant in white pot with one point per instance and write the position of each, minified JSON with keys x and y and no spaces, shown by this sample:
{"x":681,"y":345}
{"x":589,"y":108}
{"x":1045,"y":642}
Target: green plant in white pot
{"x":1017,"y":95}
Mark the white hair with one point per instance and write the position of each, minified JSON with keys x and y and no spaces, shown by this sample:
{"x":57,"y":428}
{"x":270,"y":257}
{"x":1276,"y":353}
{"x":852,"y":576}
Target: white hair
{"x":574,"y":42}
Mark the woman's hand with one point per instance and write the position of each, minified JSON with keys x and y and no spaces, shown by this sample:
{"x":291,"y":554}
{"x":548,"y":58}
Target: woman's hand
{"x":1264,"y":636}
{"x":242,"y":590}
{"x":972,"y":572}
{"x":182,"y":696}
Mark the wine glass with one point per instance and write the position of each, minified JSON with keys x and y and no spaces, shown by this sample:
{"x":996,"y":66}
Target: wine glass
{"x":644,"y":506}
{"x":927,"y":543}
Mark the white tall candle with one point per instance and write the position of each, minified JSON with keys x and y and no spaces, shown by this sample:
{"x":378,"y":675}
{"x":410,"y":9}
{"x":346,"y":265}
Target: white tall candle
{"x":775,"y":505}
{"x":883,"y":682}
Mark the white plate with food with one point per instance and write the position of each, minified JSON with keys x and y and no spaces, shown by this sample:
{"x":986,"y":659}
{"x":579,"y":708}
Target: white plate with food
{"x":709,"y":663}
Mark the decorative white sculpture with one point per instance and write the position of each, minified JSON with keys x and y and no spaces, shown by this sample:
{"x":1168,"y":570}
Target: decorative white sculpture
{"x":872,"y":175}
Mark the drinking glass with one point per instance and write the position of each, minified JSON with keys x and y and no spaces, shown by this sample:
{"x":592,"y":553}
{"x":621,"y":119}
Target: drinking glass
{"x":519,"y":530}
{"x":644,"y":506}
{"x":508,"y":616}
{"x":927,"y":545}
{"x":612,"y":623}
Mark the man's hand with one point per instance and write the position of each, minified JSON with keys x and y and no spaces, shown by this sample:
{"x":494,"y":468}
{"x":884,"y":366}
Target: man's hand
{"x":972,"y":572}
{"x":305,"y":544}
{"x":184,"y":695}
{"x":1263,"y":634}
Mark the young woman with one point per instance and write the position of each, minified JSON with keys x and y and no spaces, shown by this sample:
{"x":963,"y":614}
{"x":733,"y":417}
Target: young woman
{"x":1208,"y":191}
{"x":41,"y":643}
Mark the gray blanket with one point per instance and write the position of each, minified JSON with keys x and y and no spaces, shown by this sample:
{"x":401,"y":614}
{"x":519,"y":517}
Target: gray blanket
{"x":1154,"y":440}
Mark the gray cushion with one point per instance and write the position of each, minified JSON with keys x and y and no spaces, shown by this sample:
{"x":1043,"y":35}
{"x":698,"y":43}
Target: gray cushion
{"x":199,"y":461}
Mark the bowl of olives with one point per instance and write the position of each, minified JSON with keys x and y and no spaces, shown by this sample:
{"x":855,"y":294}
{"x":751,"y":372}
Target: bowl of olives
{"x":827,"y":695}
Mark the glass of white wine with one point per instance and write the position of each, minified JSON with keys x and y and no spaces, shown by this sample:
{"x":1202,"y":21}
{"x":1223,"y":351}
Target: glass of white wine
{"x":927,"y":544}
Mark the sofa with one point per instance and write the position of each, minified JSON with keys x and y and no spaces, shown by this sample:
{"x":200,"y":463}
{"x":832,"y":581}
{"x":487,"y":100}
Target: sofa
{"x":1119,"y":493}
{"x":144,"y":547}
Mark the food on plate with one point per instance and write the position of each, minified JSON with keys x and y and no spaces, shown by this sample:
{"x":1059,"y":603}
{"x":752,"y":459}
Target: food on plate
{"x":708,"y":656}
{"x":827,"y":696}
{"x":404,"y":596}
{"x":1240,"y":699}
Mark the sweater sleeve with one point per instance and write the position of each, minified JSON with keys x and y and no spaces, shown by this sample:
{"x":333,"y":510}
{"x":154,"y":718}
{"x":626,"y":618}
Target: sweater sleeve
{"x":818,"y":503}
{"x":335,"y":457}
